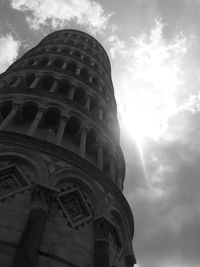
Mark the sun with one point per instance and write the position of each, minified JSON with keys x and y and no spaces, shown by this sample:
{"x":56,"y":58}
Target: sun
{"x":149,"y":84}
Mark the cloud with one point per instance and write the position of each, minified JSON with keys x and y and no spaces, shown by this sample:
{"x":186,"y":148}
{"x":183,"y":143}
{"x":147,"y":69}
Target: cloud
{"x":9,"y":48}
{"x":58,"y":13}
{"x":151,"y":75}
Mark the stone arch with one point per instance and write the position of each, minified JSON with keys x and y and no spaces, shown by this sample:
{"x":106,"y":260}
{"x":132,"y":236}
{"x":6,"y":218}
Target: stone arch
{"x":84,"y":74}
{"x":29,"y":111}
{"x":84,"y":182}
{"x":79,"y":116}
{"x":120,"y":222}
{"x":72,"y":67}
{"x":47,"y":82}
{"x":51,"y":118}
{"x":64,"y":87}
{"x":29,"y":162}
{"x":58,"y":63}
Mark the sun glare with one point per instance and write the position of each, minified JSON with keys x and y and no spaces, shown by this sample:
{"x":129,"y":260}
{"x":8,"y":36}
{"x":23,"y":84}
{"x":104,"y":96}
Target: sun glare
{"x":154,"y":75}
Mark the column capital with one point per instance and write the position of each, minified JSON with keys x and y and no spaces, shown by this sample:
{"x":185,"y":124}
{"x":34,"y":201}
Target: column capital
{"x":100,"y":143}
{"x":84,"y":129}
{"x":65,"y":118}
{"x":16,"y":105}
{"x":102,"y":228}
{"x":42,"y":196}
{"x":41,"y":109}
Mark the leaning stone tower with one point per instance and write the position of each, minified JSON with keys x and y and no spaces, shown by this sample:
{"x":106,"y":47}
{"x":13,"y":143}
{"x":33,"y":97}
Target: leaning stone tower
{"x":61,"y":166}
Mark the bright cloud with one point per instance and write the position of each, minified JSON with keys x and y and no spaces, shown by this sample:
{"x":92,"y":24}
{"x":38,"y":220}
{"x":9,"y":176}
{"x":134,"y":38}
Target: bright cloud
{"x":60,"y":12}
{"x":9,"y":48}
{"x":150,"y":81}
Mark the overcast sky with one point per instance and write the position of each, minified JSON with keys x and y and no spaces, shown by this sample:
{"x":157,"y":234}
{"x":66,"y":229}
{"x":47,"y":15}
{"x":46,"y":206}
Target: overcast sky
{"x":154,"y":48}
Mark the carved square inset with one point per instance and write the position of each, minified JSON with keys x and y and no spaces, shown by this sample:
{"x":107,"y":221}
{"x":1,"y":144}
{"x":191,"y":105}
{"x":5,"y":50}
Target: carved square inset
{"x":12,"y":181}
{"x":74,"y":206}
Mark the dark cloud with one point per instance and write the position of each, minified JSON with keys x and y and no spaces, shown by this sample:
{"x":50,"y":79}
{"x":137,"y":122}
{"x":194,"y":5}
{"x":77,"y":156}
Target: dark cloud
{"x":167,"y":226}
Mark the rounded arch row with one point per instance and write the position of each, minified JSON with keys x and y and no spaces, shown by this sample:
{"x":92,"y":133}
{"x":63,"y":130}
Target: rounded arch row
{"x":82,"y":41}
{"x":66,"y":89}
{"x":71,"y":67}
{"x":68,"y":130}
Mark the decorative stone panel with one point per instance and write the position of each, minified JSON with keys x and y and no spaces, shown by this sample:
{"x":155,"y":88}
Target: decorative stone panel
{"x":12,"y":181}
{"x":74,"y":207}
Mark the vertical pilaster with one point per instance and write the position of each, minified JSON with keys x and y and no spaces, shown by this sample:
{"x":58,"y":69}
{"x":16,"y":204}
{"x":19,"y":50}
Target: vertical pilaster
{"x":101,"y":243}
{"x":27,"y":251}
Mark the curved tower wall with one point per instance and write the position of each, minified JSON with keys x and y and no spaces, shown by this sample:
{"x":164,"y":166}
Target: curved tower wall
{"x":61,"y":166}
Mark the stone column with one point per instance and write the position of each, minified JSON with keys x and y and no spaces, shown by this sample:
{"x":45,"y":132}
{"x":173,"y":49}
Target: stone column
{"x":83,"y":139}
{"x":90,"y":79}
{"x":54,"y":87}
{"x":100,"y":113}
{"x":64,"y":66}
{"x":49,"y":63}
{"x":112,"y":168}
{"x":36,"y":121}
{"x":27,"y":250}
{"x":100,"y":88}
{"x":35,"y":83}
{"x":87,"y":102}
{"x":78,"y":70}
{"x":100,"y":155}
{"x":101,"y":243}
{"x":9,"y":117}
{"x":61,"y":130}
{"x":71,"y":93}
{"x":17,"y":82}
{"x":35,"y":62}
